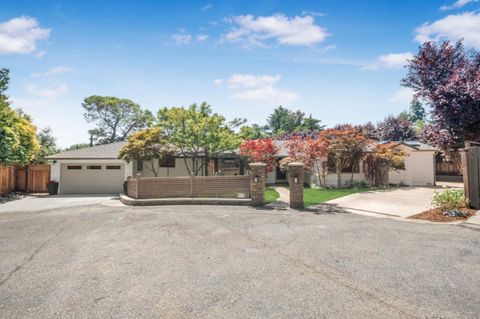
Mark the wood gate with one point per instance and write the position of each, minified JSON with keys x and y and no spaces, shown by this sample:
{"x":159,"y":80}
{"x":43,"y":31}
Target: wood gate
{"x":32,"y":178}
{"x":471,"y":173}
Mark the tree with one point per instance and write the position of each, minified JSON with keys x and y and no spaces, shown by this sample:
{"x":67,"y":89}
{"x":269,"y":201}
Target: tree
{"x":78,"y":146}
{"x":447,"y":78}
{"x":115,"y":118}
{"x":47,"y":143}
{"x":368,"y":129}
{"x":261,"y":150}
{"x":197,"y":133}
{"x":383,"y":159}
{"x":308,"y":151}
{"x":345,"y":147}
{"x":251,"y":132}
{"x":149,"y":146}
{"x":395,"y":129}
{"x":18,"y":142}
{"x":283,"y":120}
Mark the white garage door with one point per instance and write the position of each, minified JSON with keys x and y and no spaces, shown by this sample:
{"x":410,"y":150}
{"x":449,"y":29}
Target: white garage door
{"x":91,"y":178}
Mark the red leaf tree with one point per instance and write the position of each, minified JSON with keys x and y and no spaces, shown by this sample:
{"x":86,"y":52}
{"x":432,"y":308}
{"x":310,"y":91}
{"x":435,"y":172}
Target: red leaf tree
{"x":262,"y":150}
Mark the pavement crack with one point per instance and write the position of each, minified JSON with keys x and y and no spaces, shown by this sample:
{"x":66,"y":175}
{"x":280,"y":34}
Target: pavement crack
{"x":30,"y":258}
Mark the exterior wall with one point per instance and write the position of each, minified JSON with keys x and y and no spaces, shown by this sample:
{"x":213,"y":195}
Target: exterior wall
{"x":271,"y":177}
{"x":419,"y":169}
{"x":178,"y":171}
{"x":331,"y":178}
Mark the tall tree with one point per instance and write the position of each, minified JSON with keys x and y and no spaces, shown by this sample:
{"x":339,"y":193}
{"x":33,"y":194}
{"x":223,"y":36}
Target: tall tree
{"x":115,"y":119}
{"x":148,"y":145}
{"x":254,"y":131}
{"x":447,"y":78}
{"x":197,"y":133}
{"x":283,"y":120}
{"x":18,"y":141}
{"x":383,"y":159}
{"x":395,"y":128}
{"x":48,"y":145}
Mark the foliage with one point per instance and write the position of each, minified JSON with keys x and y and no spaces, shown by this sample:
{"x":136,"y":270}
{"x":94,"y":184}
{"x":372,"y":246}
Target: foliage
{"x":252,"y":132}
{"x":149,"y":146}
{"x":283,"y":120}
{"x":447,"y":78}
{"x":346,"y":146}
{"x":47,"y":143}
{"x":384,"y":158}
{"x":449,"y":199}
{"x":261,"y":150}
{"x":115,"y":119}
{"x":18,"y":142}
{"x":395,"y":129}
{"x":197,"y":133}
{"x":305,"y":151}
{"x":271,"y":195}
{"x":78,"y":146}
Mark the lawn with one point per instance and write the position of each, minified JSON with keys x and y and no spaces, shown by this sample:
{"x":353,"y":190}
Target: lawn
{"x":313,"y":196}
{"x":271,"y":195}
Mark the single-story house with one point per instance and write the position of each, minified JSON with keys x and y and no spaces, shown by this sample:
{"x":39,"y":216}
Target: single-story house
{"x":97,"y":169}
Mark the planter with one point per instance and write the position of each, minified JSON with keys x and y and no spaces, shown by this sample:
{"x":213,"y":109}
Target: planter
{"x":52,"y":188}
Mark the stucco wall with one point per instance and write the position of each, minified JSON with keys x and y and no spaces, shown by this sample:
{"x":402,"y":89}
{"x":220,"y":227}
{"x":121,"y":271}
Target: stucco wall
{"x":419,"y":169}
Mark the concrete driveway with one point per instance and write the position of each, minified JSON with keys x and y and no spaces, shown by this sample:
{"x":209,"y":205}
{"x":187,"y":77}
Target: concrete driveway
{"x":397,"y":202}
{"x":107,"y":261}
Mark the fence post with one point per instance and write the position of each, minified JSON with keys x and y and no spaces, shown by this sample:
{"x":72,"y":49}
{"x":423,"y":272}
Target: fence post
{"x":192,"y":188}
{"x":295,"y":181}
{"x":257,"y":183}
{"x":471,"y":175}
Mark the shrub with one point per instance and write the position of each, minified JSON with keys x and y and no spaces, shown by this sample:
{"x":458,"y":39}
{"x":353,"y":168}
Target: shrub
{"x":449,"y":199}
{"x":359,"y":184}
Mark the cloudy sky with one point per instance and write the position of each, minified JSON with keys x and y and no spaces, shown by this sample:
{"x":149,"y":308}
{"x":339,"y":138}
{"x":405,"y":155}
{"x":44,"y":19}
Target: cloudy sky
{"x":341,"y":61}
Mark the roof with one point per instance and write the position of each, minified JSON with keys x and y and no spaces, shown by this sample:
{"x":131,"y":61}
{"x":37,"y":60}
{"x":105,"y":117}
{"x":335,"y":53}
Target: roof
{"x":106,"y":151}
{"x":416,"y":145}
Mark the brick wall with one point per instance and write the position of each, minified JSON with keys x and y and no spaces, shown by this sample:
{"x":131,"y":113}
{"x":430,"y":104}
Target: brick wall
{"x":188,"y":187}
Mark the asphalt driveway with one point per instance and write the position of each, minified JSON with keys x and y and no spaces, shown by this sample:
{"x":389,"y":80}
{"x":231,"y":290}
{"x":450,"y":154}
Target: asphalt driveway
{"x":397,"y":202}
{"x":101,"y":260}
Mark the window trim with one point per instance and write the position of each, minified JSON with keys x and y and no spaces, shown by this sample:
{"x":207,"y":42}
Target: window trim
{"x":94,"y":167}
{"x":74,"y":167}
{"x":113,"y":167}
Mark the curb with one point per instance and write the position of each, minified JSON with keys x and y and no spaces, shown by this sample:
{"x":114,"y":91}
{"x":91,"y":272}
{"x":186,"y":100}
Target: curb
{"x":183,"y":201}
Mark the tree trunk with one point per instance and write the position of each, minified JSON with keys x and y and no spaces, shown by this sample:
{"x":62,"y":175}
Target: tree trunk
{"x":339,"y":173}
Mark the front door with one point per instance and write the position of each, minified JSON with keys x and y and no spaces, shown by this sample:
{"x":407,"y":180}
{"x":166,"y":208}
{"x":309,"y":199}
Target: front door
{"x":281,"y":175}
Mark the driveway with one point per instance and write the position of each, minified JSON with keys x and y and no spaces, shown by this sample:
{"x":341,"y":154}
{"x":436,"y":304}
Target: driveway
{"x":112,"y":261}
{"x":397,"y":202}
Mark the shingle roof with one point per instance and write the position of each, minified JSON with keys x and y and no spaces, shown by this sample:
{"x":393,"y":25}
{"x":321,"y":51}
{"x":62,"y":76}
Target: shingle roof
{"x":106,"y":151}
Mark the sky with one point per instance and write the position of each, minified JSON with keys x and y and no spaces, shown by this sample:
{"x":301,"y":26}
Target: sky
{"x":341,"y":61}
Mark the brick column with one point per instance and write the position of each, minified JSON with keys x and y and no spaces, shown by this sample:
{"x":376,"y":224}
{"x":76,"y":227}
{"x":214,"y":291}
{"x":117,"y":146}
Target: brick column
{"x":257,"y":183}
{"x":295,"y":180}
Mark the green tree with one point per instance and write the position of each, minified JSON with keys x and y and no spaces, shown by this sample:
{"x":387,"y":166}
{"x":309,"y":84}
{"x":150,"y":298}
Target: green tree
{"x":48,"y":145}
{"x":197,"y":133}
{"x":149,"y":146}
{"x":253,"y":132}
{"x":18,"y":142}
{"x":78,"y":146}
{"x":283,"y":120}
{"x":115,"y":119}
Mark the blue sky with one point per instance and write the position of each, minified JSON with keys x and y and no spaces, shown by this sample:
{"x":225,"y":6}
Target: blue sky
{"x":341,"y":61}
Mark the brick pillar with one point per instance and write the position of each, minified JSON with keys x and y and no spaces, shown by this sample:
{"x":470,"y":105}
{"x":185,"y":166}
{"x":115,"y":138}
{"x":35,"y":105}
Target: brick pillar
{"x":257,"y":183}
{"x":295,"y":180}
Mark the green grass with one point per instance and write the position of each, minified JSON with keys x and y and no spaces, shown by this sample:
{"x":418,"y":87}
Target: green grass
{"x":271,"y":195}
{"x":313,"y":196}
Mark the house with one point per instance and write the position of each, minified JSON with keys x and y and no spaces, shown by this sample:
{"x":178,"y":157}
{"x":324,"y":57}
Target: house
{"x":97,"y":169}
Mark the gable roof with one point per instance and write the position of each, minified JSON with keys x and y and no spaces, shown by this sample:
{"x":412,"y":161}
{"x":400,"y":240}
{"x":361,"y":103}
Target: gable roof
{"x":416,"y":145}
{"x":106,"y":151}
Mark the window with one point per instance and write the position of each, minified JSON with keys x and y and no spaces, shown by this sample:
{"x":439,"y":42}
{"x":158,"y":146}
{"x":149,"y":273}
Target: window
{"x":113,"y":166}
{"x":74,"y":167}
{"x":139,"y":165}
{"x":94,"y":167}
{"x":168,"y":161}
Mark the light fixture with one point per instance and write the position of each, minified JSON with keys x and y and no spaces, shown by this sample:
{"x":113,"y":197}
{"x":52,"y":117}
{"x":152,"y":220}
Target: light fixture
{"x":295,"y":180}
{"x":255,"y":179}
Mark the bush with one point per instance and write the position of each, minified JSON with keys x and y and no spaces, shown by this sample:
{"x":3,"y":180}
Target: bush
{"x":359,"y":184}
{"x":449,"y":199}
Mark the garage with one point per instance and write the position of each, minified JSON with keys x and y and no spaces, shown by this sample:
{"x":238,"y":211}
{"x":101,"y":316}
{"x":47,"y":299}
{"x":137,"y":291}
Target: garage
{"x":91,"y":170}
{"x":92,"y":178}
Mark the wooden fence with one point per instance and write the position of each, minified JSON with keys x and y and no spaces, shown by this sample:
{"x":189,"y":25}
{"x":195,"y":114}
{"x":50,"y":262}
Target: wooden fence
{"x":28,"y":178}
{"x":189,"y":187}
{"x":471,"y":174}
{"x":448,"y":168}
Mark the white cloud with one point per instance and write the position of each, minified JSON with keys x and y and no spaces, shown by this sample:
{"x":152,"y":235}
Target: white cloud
{"x":218,"y":81}
{"x":207,"y":7}
{"x":47,"y":93}
{"x":313,"y":13}
{"x":182,"y":39}
{"x":202,"y":37}
{"x":61,"y":69}
{"x":453,"y":27}
{"x":20,"y":35}
{"x":249,"y":80}
{"x":404,"y":95}
{"x":283,"y":30}
{"x":456,"y":5}
{"x":267,"y":94}
{"x":392,"y":61}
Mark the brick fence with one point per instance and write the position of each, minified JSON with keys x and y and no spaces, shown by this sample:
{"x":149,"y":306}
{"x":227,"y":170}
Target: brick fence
{"x":189,"y":187}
